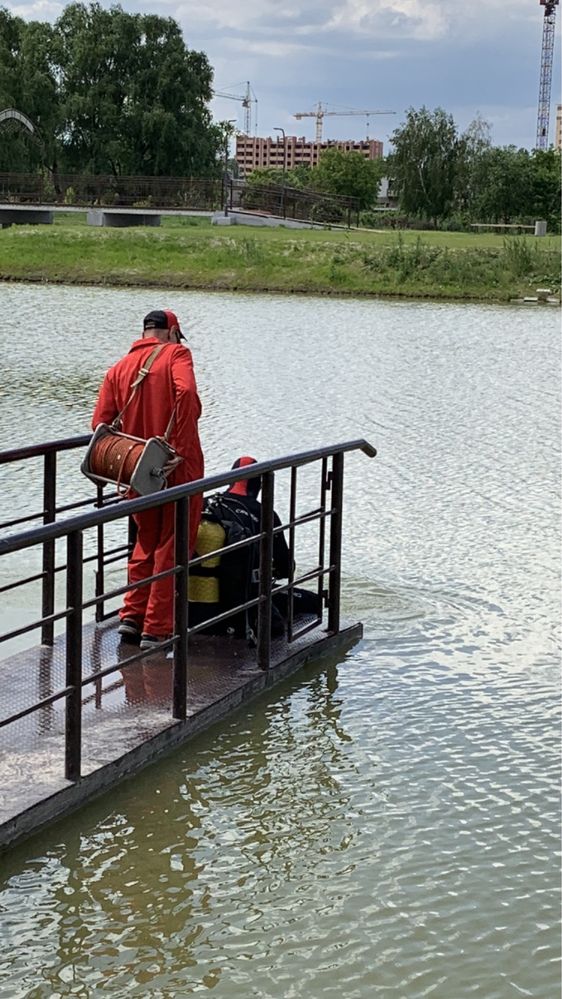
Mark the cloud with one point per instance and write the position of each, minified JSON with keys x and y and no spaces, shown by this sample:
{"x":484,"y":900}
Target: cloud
{"x":42,"y":10}
{"x":417,"y":19}
{"x":363,"y":54}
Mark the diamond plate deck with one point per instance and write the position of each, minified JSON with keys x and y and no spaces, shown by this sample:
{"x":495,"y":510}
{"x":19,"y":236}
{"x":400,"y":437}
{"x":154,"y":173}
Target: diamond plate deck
{"x":126,"y":716}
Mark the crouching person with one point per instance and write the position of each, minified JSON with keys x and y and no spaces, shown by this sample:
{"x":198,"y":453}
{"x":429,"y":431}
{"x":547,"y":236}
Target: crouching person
{"x":223,"y":582}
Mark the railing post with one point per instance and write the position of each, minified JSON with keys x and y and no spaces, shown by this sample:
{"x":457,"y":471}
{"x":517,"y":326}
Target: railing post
{"x":290,"y":592}
{"x":49,"y":513}
{"x":322,"y":591}
{"x":266,"y":560}
{"x":100,"y":574}
{"x":335,"y":544}
{"x":179,"y":707}
{"x":73,"y":733}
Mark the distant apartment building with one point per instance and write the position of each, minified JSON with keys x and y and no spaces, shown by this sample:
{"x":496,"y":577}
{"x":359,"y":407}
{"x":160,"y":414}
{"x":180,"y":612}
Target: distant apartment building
{"x":252,"y":153}
{"x":558,"y":135}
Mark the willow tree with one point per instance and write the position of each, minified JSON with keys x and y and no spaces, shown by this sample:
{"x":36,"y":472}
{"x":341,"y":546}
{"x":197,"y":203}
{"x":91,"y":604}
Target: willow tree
{"x":28,"y":83}
{"x":425,"y":162}
{"x":134,"y":98}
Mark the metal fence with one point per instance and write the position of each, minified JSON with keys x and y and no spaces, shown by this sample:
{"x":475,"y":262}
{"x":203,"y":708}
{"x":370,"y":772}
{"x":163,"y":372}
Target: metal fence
{"x":293,"y":203}
{"x":175,"y":193}
{"x":326,"y":574}
{"x":108,"y":190}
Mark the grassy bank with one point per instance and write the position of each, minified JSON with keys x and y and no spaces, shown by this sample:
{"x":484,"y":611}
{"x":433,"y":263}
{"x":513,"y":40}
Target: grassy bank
{"x":190,"y":253}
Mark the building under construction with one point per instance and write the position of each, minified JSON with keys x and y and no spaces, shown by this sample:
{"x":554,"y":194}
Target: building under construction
{"x":291,"y":151}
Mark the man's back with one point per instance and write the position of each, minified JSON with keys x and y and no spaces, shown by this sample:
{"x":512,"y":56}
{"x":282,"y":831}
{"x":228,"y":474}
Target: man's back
{"x":169,"y":387}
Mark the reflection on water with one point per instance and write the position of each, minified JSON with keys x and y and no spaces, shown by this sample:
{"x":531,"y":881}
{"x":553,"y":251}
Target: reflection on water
{"x":384,"y":826}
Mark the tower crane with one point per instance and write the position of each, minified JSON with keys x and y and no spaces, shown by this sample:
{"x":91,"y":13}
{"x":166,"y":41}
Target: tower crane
{"x":321,"y":111}
{"x":545,"y":79}
{"x":246,"y":99}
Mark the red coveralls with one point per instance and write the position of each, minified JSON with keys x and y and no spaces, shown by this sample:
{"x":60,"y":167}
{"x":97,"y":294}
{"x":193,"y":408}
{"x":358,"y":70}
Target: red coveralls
{"x":171,"y":382}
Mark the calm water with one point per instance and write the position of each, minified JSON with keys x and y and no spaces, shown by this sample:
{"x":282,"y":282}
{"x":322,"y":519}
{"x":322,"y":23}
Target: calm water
{"x":389,"y":825}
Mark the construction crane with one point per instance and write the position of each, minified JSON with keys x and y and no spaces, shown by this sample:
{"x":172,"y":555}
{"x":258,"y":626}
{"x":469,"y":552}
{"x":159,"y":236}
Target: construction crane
{"x":545,"y":80}
{"x":321,"y":111}
{"x":246,"y":99}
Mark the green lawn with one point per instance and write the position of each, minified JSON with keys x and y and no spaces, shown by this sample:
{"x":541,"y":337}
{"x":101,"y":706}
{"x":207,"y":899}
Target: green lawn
{"x":187,"y":252}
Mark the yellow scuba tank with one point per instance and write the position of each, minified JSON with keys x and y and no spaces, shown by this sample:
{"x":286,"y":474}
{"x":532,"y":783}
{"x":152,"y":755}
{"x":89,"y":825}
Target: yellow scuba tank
{"x":204,"y":588}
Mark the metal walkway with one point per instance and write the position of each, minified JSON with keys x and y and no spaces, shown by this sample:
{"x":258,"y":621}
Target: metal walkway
{"x":79,"y":712}
{"x":126,"y":716}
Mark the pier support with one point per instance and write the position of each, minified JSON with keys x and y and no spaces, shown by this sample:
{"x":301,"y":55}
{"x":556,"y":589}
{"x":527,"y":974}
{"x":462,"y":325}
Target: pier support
{"x":25,"y":215}
{"x":120,"y":218}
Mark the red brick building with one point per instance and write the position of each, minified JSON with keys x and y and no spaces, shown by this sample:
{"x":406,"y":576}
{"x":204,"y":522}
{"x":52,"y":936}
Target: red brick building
{"x":252,"y":153}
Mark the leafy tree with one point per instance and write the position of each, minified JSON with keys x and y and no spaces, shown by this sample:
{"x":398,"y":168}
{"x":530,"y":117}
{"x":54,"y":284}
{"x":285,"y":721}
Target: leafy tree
{"x":27,"y":82}
{"x":349,"y":175}
{"x":11,"y":29}
{"x":169,"y":121}
{"x":425,"y":163}
{"x":264,"y":176}
{"x":502,"y":185}
{"x":474,"y":144}
{"x":110,"y":92}
{"x":300,"y":176}
{"x":513,"y":185}
{"x":134,"y":98}
{"x":546,"y":187}
{"x":96,"y":59}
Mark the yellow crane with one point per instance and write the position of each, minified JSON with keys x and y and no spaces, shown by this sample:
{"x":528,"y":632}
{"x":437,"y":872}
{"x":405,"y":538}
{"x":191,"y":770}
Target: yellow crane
{"x":321,"y":111}
{"x":246,"y":99}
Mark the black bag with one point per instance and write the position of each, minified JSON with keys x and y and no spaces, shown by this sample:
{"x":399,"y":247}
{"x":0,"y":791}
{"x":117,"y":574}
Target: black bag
{"x":238,"y":570}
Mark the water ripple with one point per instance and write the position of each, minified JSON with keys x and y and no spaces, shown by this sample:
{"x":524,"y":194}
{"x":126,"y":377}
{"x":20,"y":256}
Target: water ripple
{"x":386,"y":826}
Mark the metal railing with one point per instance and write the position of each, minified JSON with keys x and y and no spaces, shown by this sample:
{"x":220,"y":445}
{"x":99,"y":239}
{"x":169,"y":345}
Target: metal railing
{"x":326,"y":573}
{"x":108,"y":190}
{"x":284,"y":201}
{"x":178,"y":193}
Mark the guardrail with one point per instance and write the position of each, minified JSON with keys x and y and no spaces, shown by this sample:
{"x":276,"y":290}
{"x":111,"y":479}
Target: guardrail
{"x":108,"y":190}
{"x":113,"y":508}
{"x":174,"y":193}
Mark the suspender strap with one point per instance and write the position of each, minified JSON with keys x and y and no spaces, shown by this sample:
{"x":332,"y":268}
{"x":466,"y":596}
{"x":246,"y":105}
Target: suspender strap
{"x":168,"y":429}
{"x":138,"y":380}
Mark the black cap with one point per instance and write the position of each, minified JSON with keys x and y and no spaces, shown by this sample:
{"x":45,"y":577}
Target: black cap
{"x":162,"y":319}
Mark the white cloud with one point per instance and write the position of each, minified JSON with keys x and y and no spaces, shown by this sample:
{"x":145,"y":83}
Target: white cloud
{"x":417,"y":19}
{"x":42,"y":10}
{"x":363,"y":53}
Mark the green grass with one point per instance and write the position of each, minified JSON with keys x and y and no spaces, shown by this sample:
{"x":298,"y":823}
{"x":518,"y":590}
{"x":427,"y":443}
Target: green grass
{"x":187,"y":252}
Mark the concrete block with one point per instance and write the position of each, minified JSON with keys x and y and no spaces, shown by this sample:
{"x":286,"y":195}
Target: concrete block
{"x":219,"y":218}
{"x":121,"y":219}
{"x":23,"y":215}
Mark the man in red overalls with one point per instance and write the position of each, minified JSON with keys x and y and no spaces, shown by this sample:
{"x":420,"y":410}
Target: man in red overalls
{"x":147,"y":613}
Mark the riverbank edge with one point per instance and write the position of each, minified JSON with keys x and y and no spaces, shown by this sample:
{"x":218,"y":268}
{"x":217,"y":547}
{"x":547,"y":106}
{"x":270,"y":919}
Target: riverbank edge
{"x":310,"y":290}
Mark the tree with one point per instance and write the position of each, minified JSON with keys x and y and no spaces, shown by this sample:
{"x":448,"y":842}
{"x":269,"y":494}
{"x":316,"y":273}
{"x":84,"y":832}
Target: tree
{"x":425,"y":161}
{"x":473,"y":145}
{"x":133,"y":97}
{"x":348,"y":175}
{"x":503,"y":185}
{"x":265,"y":176}
{"x":545,"y":186}
{"x":300,"y":176}
{"x":110,"y":92}
{"x":27,"y":82}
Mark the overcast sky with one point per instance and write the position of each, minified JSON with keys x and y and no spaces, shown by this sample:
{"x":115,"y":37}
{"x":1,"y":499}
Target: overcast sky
{"x":468,"y":56}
